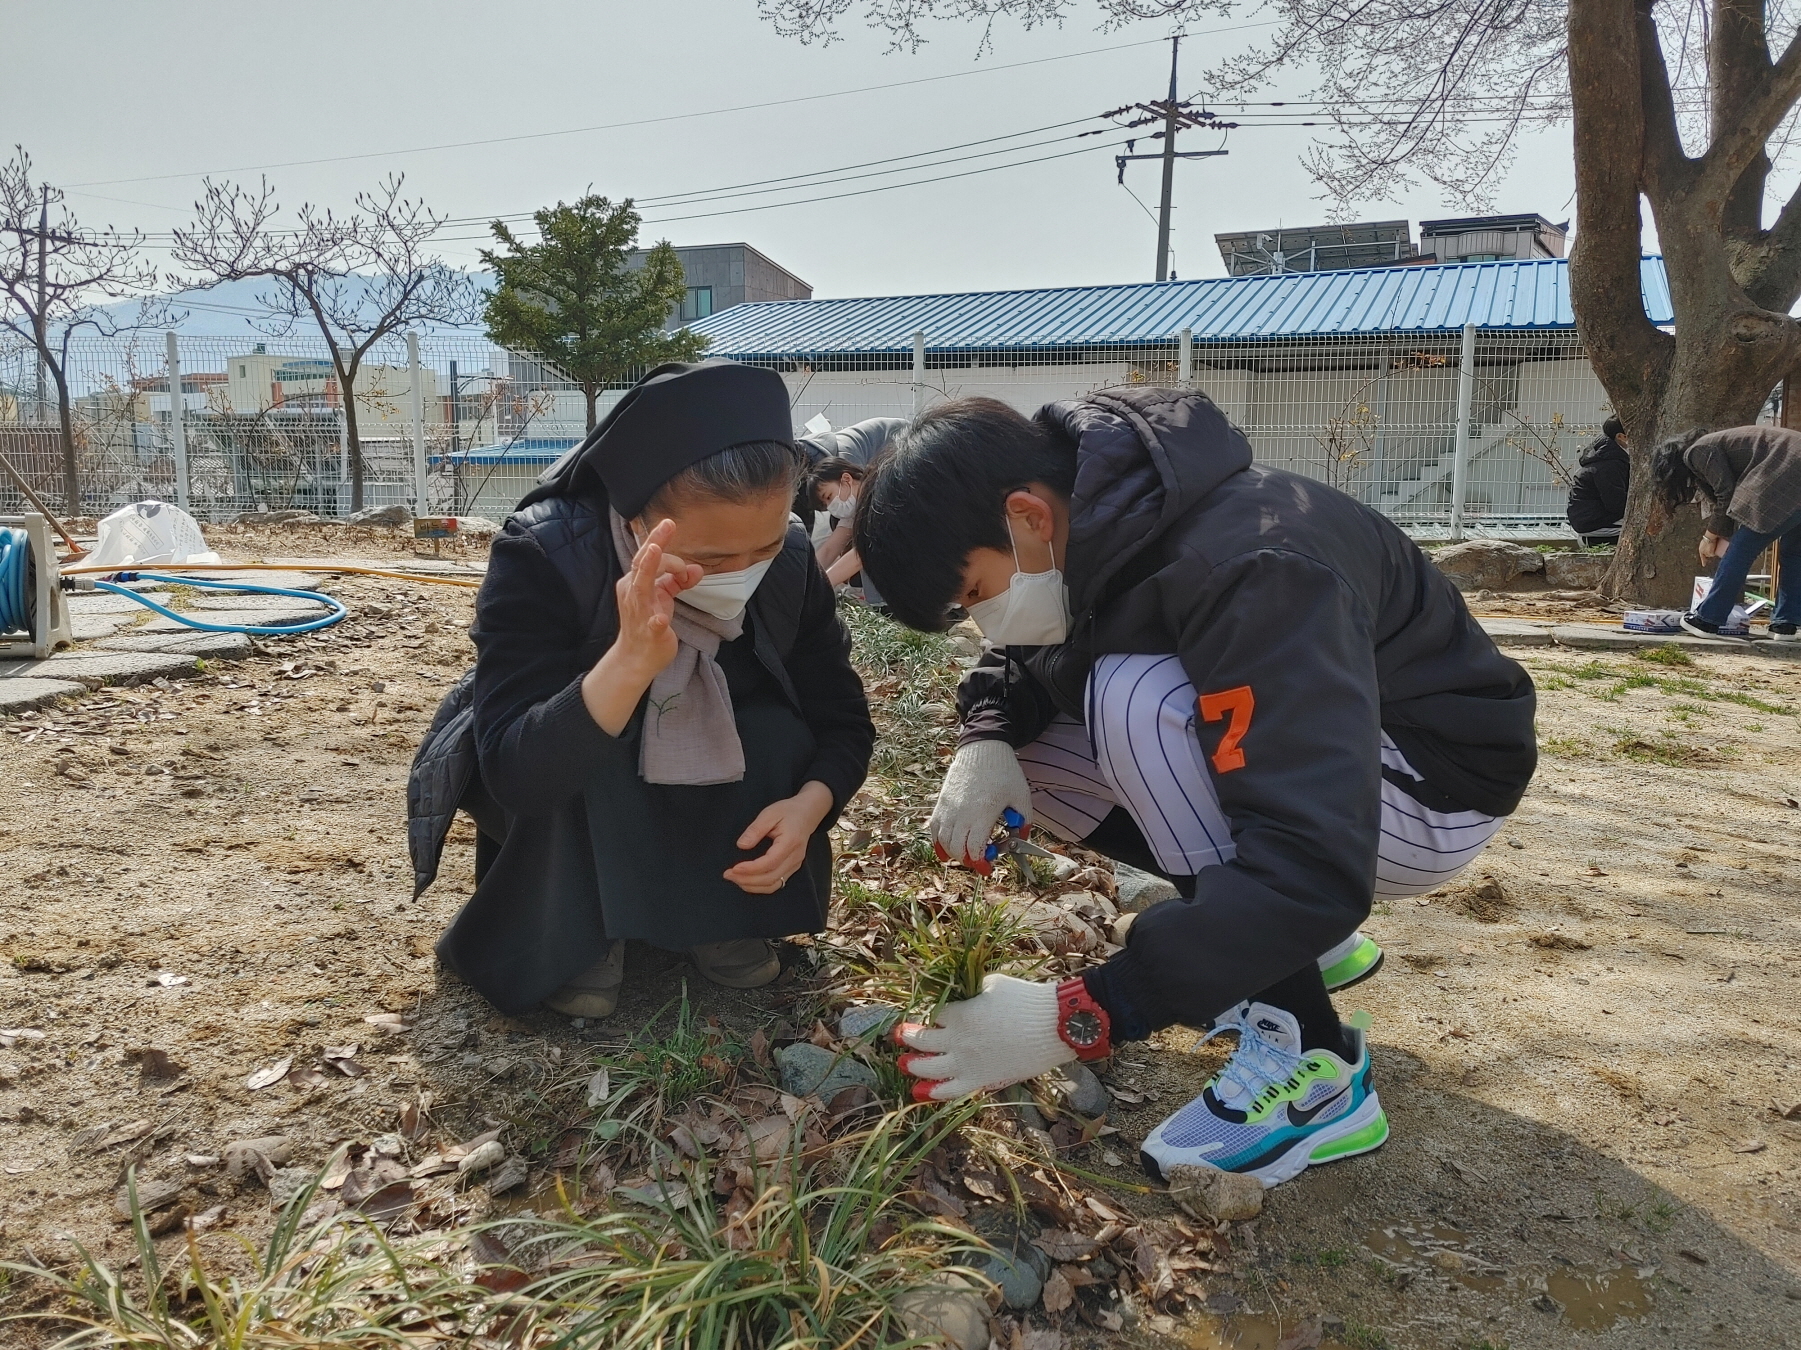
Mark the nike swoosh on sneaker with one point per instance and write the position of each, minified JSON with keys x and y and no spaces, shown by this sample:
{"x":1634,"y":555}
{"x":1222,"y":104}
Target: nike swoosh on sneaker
{"x":1301,"y":1117}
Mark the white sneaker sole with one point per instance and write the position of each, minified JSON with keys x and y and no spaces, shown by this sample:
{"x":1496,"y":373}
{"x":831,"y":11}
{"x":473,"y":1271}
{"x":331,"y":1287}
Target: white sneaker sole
{"x":1363,"y":1131}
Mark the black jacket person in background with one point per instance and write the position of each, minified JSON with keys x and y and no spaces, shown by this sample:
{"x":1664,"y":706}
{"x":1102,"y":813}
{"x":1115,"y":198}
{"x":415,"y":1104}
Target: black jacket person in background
{"x":1239,"y":677}
{"x":1598,"y":494}
{"x":663,"y":719}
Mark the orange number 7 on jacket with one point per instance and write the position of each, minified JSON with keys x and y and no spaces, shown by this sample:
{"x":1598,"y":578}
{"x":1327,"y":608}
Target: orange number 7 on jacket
{"x":1239,"y":702}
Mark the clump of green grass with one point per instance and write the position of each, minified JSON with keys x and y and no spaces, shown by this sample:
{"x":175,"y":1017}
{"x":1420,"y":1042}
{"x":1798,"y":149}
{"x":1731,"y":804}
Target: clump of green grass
{"x":1664,"y":656}
{"x":337,"y":1282}
{"x":824,"y":1256}
{"x":1565,"y":747}
{"x":1361,"y":1337}
{"x":944,"y":947}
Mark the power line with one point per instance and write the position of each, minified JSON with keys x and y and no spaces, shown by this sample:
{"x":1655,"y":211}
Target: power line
{"x":652,"y":121}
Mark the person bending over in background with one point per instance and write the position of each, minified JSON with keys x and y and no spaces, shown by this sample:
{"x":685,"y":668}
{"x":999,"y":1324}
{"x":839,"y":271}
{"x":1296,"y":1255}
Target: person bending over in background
{"x":834,"y":483}
{"x":1749,"y":480}
{"x":1234,"y":676}
{"x":663,"y":719}
{"x":1598,"y":494}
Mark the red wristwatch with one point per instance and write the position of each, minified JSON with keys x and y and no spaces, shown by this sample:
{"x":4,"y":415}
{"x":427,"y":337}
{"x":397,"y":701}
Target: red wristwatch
{"x":1082,"y":1024}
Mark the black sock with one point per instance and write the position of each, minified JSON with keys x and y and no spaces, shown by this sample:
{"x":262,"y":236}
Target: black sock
{"x":1304,"y":994}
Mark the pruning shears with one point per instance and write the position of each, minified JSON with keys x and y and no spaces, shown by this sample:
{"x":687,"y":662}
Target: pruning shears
{"x":1013,"y":842}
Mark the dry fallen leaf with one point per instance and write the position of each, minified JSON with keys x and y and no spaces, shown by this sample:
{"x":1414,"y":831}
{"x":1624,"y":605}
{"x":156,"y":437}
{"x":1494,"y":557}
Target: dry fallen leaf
{"x":1750,"y":1146}
{"x":271,"y":1075}
{"x":1058,"y":1292}
{"x":600,"y":1087}
{"x":1065,"y":1246}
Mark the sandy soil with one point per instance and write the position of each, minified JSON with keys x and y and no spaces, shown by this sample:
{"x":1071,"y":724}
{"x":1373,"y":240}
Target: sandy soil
{"x":1589,"y":1048}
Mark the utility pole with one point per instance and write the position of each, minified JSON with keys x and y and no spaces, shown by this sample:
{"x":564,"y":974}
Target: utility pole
{"x":1169,"y":164}
{"x":1176,"y":115}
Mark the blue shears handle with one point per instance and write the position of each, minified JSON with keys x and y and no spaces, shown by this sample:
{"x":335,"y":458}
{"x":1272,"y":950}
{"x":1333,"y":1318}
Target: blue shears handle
{"x":1015,"y":823}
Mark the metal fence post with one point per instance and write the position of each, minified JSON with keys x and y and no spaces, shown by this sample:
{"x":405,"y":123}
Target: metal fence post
{"x":178,"y":427}
{"x":416,"y":381}
{"x":919,"y":373}
{"x":1185,"y":365}
{"x":1460,"y":461}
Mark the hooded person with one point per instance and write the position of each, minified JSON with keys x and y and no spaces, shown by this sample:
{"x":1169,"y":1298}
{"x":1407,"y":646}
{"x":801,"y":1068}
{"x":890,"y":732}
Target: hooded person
{"x":1236,"y":677}
{"x":1597,"y":502}
{"x":662,"y":721}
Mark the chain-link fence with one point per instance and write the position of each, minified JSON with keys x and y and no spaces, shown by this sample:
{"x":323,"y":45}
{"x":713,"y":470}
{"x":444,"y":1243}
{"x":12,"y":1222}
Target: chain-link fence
{"x":1446,"y":433}
{"x":1388,"y":418}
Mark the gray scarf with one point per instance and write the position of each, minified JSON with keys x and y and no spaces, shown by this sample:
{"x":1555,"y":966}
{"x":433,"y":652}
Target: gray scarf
{"x":690,"y":733}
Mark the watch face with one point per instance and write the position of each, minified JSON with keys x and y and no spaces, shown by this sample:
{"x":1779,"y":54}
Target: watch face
{"x":1082,"y":1029}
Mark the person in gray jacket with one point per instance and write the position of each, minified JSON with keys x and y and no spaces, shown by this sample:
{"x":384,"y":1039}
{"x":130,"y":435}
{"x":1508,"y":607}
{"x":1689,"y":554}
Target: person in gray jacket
{"x":1750,"y":481}
{"x":1238,"y":677}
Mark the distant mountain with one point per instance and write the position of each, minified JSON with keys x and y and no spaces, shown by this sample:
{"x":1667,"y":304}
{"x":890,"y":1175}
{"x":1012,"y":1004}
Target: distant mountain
{"x":234,"y":309}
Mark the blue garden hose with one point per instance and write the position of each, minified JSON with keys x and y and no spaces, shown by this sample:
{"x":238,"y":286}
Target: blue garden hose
{"x":15,"y":582}
{"x":274,"y":630}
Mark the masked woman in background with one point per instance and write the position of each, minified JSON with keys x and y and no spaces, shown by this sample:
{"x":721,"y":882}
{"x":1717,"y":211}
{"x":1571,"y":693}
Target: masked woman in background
{"x":662,"y":721}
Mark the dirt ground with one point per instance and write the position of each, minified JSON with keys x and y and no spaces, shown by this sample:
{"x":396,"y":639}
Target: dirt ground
{"x":1589,"y":1047}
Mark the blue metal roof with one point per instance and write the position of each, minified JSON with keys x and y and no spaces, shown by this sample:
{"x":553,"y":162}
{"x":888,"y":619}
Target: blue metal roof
{"x":1501,"y":295}
{"x":529,"y":450}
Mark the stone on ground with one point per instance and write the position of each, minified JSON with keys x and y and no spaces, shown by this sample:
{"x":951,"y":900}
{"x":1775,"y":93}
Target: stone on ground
{"x":1208,"y":1193}
{"x":219,"y":646}
{"x":1140,"y":890}
{"x":1488,"y":564}
{"x":869,"y":1020}
{"x":105,"y":602}
{"x":946,"y":1312}
{"x":1576,"y":571}
{"x":22,"y":692}
{"x":382,"y":515}
{"x":1081,"y":1091}
{"x":93,"y":668}
{"x":810,"y":1071}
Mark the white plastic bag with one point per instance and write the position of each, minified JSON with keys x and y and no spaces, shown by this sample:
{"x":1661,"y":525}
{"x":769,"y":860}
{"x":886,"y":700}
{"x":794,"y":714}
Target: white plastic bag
{"x":145,"y":533}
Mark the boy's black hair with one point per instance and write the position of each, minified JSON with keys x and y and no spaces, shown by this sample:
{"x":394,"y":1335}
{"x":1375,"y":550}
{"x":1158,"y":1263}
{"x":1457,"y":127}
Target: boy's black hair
{"x":738,"y":473}
{"x":1676,"y":482}
{"x":828,"y":471}
{"x":1612,"y":427}
{"x":940,"y":492}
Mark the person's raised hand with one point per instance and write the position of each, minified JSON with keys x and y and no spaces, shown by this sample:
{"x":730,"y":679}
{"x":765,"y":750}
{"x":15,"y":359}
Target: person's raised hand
{"x":646,"y":596}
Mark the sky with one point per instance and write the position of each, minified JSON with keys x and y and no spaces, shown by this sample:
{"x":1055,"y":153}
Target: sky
{"x":156,"y":95}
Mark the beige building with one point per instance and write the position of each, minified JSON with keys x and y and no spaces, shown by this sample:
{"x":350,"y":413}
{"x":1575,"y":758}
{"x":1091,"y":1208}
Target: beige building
{"x":257,"y":381}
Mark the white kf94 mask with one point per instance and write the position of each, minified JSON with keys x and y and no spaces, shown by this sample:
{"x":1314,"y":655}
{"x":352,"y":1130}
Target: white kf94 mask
{"x":1032,"y":612}
{"x":725,"y":594}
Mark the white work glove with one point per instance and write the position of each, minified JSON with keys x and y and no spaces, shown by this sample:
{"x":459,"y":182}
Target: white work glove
{"x":984,"y":780}
{"x":1005,"y":1034}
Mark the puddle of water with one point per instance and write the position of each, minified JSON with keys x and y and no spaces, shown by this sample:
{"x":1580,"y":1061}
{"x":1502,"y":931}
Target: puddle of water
{"x":1594,"y":1300}
{"x":1427,"y":1246}
{"x":1242,"y":1333}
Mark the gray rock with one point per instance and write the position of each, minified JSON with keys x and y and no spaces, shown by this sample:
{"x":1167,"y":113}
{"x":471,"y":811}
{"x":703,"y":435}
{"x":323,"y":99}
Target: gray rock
{"x":382,"y":515}
{"x":1576,"y":571}
{"x":95,"y":669}
{"x":1082,"y":1092}
{"x":220,"y":646}
{"x":272,"y":517}
{"x":256,"y":1157}
{"x":508,"y":1175}
{"x":809,"y":1071}
{"x":1016,"y":1266}
{"x":106,"y":602}
{"x":236,"y":618}
{"x":1488,"y":564}
{"x":1140,"y":890}
{"x":287,"y":1183}
{"x":946,"y":1312}
{"x":872,"y":1020}
{"x":152,"y":1196}
{"x":1020,"y":1285}
{"x":476,"y":525}
{"x":1208,"y":1193}
{"x":1019,"y":1097}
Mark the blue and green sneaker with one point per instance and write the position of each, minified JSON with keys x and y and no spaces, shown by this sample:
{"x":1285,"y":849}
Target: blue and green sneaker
{"x":1274,"y":1109}
{"x":1356,"y":958}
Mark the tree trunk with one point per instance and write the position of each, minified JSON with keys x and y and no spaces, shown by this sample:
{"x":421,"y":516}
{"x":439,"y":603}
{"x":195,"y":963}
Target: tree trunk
{"x":352,"y":443}
{"x":1726,"y":353}
{"x":591,"y":392}
{"x":66,"y":421}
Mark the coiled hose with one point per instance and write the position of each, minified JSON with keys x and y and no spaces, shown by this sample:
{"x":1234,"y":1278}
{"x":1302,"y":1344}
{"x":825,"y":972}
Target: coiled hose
{"x":309,"y":626}
{"x":16,"y":607}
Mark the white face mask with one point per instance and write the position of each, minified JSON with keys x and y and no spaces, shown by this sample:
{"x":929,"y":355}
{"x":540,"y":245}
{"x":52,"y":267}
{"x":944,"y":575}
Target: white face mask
{"x":843,"y":508}
{"x":1032,"y":612}
{"x":725,"y":594}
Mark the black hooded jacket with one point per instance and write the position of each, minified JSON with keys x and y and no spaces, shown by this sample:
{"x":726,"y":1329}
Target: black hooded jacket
{"x":1598,"y":494}
{"x":1316,"y":617}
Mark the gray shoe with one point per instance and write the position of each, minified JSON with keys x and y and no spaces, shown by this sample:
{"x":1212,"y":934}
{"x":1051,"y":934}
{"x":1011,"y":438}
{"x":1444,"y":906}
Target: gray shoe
{"x":595,"y":992}
{"x":747,"y":963}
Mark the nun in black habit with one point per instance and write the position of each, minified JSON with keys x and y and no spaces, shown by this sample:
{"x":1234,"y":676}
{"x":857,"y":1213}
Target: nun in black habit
{"x":662,"y":721}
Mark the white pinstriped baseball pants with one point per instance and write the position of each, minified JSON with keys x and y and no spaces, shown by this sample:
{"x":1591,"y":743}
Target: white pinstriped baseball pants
{"x":1138,"y":750}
